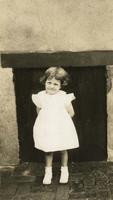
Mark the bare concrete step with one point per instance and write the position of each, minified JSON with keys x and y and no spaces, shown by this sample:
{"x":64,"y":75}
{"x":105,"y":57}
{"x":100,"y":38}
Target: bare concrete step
{"x":24,"y":172}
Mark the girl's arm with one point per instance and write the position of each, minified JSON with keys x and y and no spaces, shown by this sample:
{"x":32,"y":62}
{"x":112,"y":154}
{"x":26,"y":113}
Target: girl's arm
{"x":70,"y":110}
{"x":38,"y":110}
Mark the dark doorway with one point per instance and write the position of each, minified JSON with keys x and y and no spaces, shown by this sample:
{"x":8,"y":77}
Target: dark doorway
{"x":89,"y":86}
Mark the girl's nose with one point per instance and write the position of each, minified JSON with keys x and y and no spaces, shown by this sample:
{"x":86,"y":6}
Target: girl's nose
{"x":52,"y":86}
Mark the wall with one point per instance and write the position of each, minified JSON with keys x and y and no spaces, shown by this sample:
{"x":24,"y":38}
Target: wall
{"x":47,"y":25}
{"x":110,"y":113}
{"x":43,"y":26}
{"x":8,"y":124}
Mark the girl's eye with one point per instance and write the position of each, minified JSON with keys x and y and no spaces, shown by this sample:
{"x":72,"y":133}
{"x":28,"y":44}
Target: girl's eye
{"x":49,"y":83}
{"x":55,"y":84}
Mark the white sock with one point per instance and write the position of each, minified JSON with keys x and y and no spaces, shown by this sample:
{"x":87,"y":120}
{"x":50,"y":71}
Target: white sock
{"x":64,"y":174}
{"x":47,"y":176}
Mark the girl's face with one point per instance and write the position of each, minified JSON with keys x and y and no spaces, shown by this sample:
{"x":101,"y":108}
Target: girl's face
{"x":52,"y":86}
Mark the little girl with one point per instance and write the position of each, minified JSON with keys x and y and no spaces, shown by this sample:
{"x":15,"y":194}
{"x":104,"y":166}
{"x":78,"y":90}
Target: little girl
{"x":54,"y":129}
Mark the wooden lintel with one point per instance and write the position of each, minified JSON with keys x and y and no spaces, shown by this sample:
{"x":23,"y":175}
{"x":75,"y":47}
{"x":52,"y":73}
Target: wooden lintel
{"x":41,"y":60}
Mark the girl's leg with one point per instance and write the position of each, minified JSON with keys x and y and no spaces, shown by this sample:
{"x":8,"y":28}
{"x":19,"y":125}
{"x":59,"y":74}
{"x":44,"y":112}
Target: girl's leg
{"x":48,"y":168}
{"x":64,"y":158}
{"x":49,"y":159}
{"x":64,"y":167}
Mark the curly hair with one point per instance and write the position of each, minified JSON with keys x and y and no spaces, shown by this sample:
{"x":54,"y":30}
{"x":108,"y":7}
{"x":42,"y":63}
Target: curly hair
{"x":55,"y":72}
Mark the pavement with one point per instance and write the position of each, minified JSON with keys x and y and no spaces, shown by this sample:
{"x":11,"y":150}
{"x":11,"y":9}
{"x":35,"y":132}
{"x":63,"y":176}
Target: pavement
{"x":88,"y":181}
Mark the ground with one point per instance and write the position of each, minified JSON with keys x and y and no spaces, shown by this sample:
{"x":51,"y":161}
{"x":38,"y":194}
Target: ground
{"x":88,"y":181}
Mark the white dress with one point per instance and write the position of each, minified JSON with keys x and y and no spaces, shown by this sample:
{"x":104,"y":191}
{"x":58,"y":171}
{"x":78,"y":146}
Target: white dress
{"x":54,"y":129}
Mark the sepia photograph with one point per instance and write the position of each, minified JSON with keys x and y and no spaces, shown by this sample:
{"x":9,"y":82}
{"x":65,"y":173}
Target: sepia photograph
{"x":56,"y":100}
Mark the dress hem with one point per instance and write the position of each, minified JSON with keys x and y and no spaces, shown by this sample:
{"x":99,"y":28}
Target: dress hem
{"x":57,"y":149}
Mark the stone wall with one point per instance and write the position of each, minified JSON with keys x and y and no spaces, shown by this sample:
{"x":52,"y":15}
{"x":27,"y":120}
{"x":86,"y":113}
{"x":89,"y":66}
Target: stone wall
{"x":8,"y":123}
{"x":110,"y":113}
{"x":47,"y":25}
{"x":43,"y":26}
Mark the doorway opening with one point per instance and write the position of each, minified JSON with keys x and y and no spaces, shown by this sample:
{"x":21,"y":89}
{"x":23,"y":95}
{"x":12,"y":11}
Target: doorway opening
{"x":89,"y":87}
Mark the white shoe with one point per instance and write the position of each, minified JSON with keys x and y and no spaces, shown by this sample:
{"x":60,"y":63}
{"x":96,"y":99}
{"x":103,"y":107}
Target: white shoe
{"x":48,"y":176}
{"x":64,"y":175}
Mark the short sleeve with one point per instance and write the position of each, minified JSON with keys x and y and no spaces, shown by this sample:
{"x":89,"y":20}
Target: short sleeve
{"x":69,"y":98}
{"x":36,"y":98}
